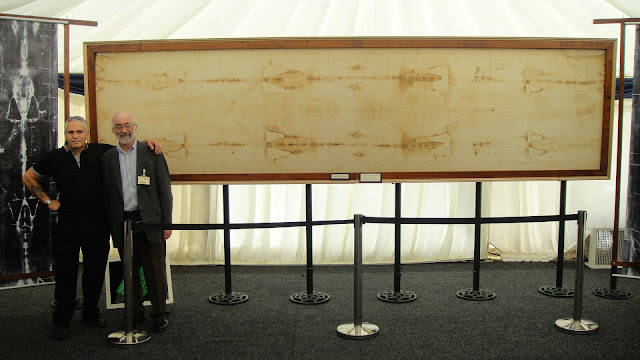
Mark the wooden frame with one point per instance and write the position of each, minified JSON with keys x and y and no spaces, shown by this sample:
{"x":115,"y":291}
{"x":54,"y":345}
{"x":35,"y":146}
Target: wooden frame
{"x":555,"y":152}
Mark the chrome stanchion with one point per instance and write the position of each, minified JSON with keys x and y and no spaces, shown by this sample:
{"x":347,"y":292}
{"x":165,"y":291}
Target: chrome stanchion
{"x":357,"y":329}
{"x":577,"y":325}
{"x":128,"y":336}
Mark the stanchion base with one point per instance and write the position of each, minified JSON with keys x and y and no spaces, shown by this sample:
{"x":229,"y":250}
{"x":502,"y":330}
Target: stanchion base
{"x":402,"y":296}
{"x":364,"y":331}
{"x":612,"y":293}
{"x":228,"y":299}
{"x":477,"y":295}
{"x":306,"y":298}
{"x":79,"y":303}
{"x":120,"y":338}
{"x":554,"y":291}
{"x":576,"y":326}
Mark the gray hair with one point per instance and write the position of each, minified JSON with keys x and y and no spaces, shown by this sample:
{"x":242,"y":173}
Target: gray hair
{"x":113,"y":118}
{"x":76,"y":119}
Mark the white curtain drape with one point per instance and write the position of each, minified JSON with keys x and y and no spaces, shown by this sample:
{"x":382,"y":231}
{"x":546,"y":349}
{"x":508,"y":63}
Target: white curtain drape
{"x":163,"y":19}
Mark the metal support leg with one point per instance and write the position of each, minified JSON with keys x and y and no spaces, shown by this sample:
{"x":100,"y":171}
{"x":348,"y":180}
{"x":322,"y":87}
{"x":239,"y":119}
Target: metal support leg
{"x":577,"y":325}
{"x":228,"y":297}
{"x":309,"y":297}
{"x":476,"y":293}
{"x":396,"y":295}
{"x":612,"y":292}
{"x":558,"y":290}
{"x":128,"y":336}
{"x":357,"y":329}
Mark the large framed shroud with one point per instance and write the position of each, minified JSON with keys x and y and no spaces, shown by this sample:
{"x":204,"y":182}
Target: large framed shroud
{"x":408,"y":109}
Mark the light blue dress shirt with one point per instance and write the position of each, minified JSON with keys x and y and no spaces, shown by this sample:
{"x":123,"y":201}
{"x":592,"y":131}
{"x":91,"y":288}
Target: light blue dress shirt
{"x":129,"y":177}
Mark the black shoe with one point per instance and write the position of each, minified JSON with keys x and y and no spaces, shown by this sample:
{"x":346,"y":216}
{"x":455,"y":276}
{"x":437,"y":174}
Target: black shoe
{"x":95,"y":321}
{"x":60,"y":332}
{"x":160,"y":325}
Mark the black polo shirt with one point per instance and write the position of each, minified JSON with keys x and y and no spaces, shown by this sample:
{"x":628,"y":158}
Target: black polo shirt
{"x":81,"y":187}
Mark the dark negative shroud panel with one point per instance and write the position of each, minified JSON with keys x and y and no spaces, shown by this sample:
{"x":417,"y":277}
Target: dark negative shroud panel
{"x":28,"y":128}
{"x":411,"y":109}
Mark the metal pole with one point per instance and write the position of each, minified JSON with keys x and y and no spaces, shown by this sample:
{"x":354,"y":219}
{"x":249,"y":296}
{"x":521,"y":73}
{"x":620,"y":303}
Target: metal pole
{"x":309,"y":297}
{"x":227,"y":239}
{"x":397,"y":268}
{"x":476,"y":293}
{"x":128,"y":336}
{"x":396,"y":295}
{"x":476,"y":237}
{"x":577,"y":325}
{"x":309,"y":234}
{"x":357,"y":271}
{"x":357,"y":329}
{"x":128,"y":282}
{"x":561,"y":225}
{"x":229,"y":297}
{"x":559,"y":290}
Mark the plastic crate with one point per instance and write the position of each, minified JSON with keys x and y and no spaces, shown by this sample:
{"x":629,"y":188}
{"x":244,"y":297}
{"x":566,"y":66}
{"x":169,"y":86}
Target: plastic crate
{"x":601,"y":247}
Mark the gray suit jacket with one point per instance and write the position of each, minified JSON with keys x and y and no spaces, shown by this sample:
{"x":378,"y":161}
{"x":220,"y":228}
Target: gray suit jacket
{"x":155,"y":200}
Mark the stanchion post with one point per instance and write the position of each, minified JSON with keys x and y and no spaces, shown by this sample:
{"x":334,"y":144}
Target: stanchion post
{"x":577,"y":325}
{"x":128,"y":336}
{"x":357,"y":329}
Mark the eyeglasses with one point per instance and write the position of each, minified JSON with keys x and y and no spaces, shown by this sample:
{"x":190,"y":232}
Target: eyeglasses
{"x":127,"y":126}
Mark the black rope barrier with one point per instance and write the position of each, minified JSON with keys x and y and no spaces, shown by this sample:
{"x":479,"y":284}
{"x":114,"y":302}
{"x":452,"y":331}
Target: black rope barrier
{"x":366,"y":219}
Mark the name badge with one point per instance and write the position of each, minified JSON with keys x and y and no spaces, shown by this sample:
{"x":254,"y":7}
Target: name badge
{"x":144,"y":179}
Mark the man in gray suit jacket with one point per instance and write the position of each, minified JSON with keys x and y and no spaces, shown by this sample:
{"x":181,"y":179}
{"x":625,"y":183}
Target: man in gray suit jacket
{"x":138,"y":188}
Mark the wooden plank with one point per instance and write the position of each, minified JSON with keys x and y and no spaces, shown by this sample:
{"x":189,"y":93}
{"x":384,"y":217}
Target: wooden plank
{"x":617,"y":21}
{"x":226,"y":44}
{"x":50,"y":19}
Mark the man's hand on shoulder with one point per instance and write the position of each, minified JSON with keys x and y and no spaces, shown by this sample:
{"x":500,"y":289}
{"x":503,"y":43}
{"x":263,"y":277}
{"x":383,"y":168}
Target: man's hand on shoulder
{"x":154,"y":145}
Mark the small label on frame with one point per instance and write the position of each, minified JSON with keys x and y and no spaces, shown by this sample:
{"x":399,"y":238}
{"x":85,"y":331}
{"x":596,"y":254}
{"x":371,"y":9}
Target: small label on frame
{"x":370,"y":177}
{"x":339,"y":176}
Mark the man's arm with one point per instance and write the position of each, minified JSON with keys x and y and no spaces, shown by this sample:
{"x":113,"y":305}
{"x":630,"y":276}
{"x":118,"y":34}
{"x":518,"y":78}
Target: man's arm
{"x":30,"y":180}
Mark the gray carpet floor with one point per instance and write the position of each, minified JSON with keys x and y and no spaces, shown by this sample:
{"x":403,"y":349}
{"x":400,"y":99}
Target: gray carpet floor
{"x":518,"y":324}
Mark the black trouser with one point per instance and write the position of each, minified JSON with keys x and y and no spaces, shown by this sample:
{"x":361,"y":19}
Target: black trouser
{"x":152,"y":259}
{"x":68,"y":239}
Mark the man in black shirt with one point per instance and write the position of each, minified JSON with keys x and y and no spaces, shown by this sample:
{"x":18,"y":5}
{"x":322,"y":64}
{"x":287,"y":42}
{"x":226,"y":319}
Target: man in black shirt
{"x":77,"y":172}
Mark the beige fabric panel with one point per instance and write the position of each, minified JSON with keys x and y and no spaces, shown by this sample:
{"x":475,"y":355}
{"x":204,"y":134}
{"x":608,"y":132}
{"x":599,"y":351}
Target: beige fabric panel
{"x":355,"y":110}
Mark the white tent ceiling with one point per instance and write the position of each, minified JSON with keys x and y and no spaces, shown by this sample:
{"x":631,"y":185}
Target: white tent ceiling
{"x":195,"y":19}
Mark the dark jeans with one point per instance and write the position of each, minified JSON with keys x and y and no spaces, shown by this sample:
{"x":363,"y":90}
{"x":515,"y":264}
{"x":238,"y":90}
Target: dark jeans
{"x":68,"y":239}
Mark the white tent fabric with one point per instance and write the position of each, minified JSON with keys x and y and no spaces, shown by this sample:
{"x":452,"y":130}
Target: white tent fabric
{"x":193,"y":19}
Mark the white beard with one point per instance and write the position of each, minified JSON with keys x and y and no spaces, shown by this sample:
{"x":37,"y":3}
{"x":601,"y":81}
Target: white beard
{"x":124,"y":139}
